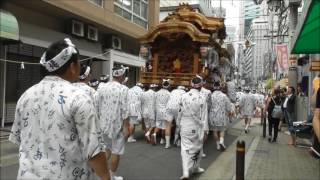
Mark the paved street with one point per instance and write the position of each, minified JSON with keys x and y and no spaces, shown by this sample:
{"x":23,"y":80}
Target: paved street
{"x":141,"y":160}
{"x":265,"y":160}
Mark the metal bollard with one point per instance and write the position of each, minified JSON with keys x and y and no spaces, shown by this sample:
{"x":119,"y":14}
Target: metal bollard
{"x":240,"y":160}
{"x":264,"y":127}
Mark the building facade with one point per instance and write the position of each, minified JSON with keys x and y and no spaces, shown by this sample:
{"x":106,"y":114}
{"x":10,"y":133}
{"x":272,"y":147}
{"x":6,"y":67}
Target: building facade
{"x":168,"y":6}
{"x":105,"y":32}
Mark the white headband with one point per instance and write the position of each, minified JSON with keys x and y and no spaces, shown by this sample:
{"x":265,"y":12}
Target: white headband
{"x":85,"y":74}
{"x":103,"y":78}
{"x":181,"y":87}
{"x":139,"y":84}
{"x":60,"y":59}
{"x":119,"y":72}
{"x":199,"y":85}
{"x":153,"y":85}
{"x":93,"y":84}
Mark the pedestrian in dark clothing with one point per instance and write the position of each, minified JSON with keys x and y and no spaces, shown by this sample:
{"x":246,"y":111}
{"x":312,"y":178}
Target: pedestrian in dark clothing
{"x":274,"y":114}
{"x":289,"y":110}
{"x":283,"y":98}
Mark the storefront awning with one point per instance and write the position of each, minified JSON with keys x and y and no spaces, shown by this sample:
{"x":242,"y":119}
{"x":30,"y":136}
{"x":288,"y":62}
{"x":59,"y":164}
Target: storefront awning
{"x":307,"y":35}
{"x":9,"y":28}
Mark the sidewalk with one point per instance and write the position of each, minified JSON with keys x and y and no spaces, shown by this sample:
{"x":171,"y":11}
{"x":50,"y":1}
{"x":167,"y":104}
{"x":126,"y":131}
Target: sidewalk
{"x":264,"y":160}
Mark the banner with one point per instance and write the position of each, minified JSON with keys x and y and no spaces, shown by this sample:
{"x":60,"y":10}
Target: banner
{"x":282,"y":56}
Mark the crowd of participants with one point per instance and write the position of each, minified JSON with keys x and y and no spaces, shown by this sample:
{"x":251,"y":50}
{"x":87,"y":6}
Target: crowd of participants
{"x":68,"y":126}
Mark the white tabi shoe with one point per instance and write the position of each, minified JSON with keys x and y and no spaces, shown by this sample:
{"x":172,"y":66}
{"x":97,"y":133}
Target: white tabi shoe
{"x":184,"y":177}
{"x":167,"y":146}
{"x":131,"y":139}
{"x":162,"y":141}
{"x":198,"y":170}
{"x":204,"y":155}
{"x":116,"y":178}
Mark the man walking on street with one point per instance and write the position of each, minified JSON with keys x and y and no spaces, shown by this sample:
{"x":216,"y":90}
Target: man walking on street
{"x":134,"y":103}
{"x":113,"y":113}
{"x":221,"y":109}
{"x":193,"y":118}
{"x":162,"y":98}
{"x":289,"y":110}
{"x":56,"y":124}
{"x":149,"y":110}
{"x":172,"y":113}
{"x":247,"y":107}
{"x":84,"y":78}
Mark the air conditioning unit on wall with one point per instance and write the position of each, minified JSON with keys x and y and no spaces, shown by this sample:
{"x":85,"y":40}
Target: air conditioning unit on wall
{"x":92,"y":33}
{"x":116,"y":42}
{"x":112,"y":42}
{"x":77,"y":28}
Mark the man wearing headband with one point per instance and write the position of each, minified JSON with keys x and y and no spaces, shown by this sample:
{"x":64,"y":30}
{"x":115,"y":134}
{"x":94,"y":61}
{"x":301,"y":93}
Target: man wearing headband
{"x":113,"y":113}
{"x":193,"y":121}
{"x":149,"y":110}
{"x":162,"y":98}
{"x":94,"y":83}
{"x":104,"y":78}
{"x":134,"y":102}
{"x":206,"y":93}
{"x":220,"y":111}
{"x":56,"y":124}
{"x":172,"y":113}
{"x":84,"y":79}
{"x":247,"y":106}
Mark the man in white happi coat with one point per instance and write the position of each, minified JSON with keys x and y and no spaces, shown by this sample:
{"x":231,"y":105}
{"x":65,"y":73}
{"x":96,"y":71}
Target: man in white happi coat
{"x":113,"y":113}
{"x":247,"y":106}
{"x":104,"y":78}
{"x":149,"y":109}
{"x":56,"y":125}
{"x":83,"y":83}
{"x":231,"y":91}
{"x":206,"y":93}
{"x":162,"y":98}
{"x":172,"y":113}
{"x":193,"y":118}
{"x":135,"y":112}
{"x":94,"y":83}
{"x":221,"y":109}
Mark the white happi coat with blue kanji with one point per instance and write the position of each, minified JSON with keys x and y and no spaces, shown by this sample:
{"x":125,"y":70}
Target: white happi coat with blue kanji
{"x":56,"y":127}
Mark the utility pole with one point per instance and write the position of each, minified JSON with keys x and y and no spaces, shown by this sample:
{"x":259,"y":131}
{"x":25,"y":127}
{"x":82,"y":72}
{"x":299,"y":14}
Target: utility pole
{"x":293,"y":19}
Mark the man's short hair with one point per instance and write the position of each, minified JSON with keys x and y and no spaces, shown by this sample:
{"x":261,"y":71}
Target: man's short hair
{"x":53,"y":50}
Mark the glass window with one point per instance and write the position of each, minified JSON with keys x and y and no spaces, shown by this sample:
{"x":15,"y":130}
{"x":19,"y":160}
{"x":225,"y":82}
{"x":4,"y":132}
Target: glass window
{"x":136,"y":7}
{"x":118,"y":1}
{"x":135,"y":11}
{"x":144,"y":10}
{"x":126,"y":14}
{"x":118,"y":10}
{"x":97,"y":2}
{"x":127,"y":4}
{"x":140,"y":21}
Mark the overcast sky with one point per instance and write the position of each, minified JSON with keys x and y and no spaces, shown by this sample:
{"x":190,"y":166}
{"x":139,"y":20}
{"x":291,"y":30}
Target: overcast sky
{"x":232,"y":10}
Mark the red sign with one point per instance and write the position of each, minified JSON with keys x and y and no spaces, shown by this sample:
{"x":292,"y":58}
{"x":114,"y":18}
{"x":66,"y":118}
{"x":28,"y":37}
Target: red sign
{"x":282,"y":56}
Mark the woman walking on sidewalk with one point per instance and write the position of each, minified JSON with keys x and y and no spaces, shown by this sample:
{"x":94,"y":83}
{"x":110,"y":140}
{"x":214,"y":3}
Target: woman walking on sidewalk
{"x":274,"y":114}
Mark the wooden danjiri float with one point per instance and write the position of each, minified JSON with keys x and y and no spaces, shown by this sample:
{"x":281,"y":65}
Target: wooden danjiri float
{"x":184,"y":44}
